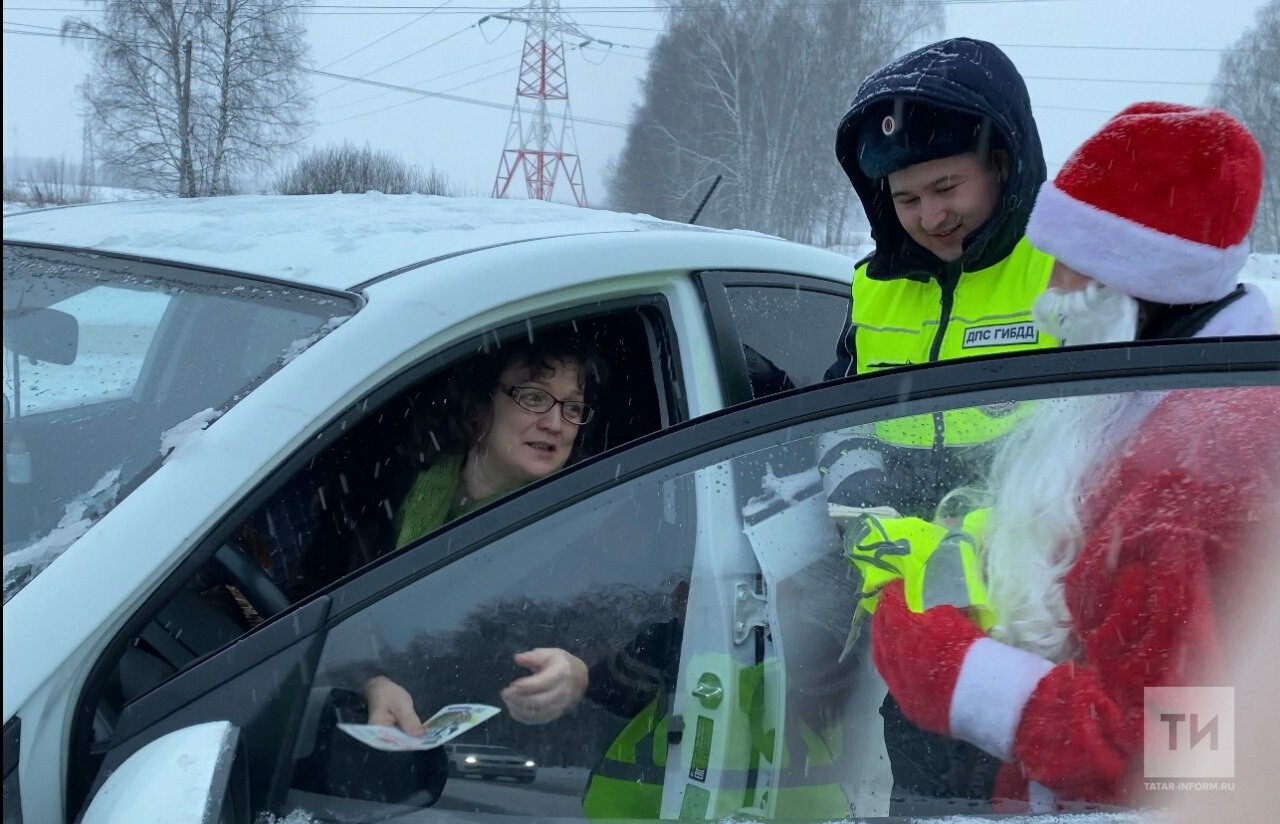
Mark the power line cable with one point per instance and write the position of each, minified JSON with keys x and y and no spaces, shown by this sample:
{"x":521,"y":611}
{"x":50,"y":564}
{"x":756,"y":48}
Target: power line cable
{"x":396,"y":30}
{"x":456,"y":98}
{"x":399,"y":60}
{"x":427,"y":80}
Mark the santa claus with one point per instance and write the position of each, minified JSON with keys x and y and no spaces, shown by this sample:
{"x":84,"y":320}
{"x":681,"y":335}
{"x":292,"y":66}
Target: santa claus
{"x":1120,"y":523}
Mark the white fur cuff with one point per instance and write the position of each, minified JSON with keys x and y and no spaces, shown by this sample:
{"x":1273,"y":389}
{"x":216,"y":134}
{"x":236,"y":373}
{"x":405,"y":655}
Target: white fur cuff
{"x":995,"y":682}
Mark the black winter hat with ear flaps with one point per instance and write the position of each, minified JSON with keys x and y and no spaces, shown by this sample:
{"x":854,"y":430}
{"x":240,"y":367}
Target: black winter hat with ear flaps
{"x":962,"y":82}
{"x":898,"y":133}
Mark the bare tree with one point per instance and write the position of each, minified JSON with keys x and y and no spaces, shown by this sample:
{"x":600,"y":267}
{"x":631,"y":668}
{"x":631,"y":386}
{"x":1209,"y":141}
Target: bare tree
{"x":752,"y":90}
{"x":1248,"y":86}
{"x":349,"y":169}
{"x":188,"y":94}
{"x":254,"y":52}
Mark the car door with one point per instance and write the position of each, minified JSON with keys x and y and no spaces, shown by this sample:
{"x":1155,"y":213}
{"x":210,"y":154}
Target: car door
{"x":773,"y":331}
{"x":703,"y":588}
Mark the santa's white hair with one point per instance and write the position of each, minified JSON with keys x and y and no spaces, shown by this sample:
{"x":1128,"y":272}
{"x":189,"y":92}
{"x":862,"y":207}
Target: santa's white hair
{"x":1040,"y":480}
{"x":1042,"y":474}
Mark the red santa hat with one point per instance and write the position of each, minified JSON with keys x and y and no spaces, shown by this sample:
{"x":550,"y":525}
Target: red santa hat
{"x":1157,"y":204}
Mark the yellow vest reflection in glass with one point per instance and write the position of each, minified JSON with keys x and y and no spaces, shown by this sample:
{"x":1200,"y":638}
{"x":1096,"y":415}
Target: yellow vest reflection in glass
{"x":726,"y":749}
{"x":937,"y":566}
{"x":902,"y":321}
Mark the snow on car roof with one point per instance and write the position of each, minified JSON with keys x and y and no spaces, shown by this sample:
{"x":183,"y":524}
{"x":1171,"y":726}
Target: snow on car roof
{"x":335,"y":241}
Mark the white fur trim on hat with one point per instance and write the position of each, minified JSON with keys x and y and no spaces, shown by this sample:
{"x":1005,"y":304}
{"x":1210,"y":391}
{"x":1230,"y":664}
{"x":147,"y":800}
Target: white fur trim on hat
{"x":1134,"y":259}
{"x":995,"y":683}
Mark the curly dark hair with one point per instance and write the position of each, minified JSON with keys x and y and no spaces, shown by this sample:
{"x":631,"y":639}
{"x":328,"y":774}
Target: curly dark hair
{"x":458,"y":410}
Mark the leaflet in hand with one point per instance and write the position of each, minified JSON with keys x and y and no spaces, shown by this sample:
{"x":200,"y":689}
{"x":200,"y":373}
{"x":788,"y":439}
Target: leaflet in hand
{"x":445,"y":725}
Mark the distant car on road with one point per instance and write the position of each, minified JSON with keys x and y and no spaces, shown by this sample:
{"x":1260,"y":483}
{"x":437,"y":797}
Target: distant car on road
{"x":490,"y":762}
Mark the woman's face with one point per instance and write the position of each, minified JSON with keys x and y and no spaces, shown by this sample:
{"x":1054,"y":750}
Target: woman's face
{"x":519,"y":446}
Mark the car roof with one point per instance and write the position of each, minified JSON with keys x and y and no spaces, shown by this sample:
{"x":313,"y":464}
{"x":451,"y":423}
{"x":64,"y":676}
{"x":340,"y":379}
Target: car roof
{"x":335,"y":241}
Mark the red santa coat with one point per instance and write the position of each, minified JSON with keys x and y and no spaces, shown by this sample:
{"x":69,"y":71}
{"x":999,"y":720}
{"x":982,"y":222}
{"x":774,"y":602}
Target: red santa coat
{"x":1170,"y":537}
{"x":1169,"y":541}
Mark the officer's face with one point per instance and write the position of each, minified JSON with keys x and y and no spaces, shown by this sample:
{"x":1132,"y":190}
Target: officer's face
{"x":939,"y":203}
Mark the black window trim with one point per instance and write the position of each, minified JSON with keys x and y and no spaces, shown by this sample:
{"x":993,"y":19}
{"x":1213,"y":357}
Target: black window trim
{"x":714,"y":285}
{"x":352,"y":298}
{"x":1161,"y":365}
{"x":12,"y":750}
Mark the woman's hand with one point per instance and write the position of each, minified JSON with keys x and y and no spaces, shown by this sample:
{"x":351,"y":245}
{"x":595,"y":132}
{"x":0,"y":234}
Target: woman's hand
{"x":390,"y":705}
{"x":557,"y":683}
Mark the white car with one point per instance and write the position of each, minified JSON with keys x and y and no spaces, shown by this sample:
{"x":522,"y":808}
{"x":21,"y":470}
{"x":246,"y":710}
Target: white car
{"x":130,"y":327}
{"x":245,"y":350}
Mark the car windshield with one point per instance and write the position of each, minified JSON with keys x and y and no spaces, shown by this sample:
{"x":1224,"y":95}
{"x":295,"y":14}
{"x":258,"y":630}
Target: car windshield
{"x":109,"y":364}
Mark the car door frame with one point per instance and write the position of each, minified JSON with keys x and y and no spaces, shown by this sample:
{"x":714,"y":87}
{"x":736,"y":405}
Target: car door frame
{"x":714,"y":286}
{"x":1125,"y":367}
{"x":672,"y":401}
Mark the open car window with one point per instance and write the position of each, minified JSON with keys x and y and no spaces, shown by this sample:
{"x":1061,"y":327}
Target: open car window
{"x":714,"y":601}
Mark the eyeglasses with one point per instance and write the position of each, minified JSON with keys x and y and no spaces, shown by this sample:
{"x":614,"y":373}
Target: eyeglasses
{"x":539,"y":401}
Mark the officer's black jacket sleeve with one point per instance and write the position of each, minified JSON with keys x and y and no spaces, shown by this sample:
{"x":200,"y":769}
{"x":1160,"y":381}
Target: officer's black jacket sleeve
{"x":624,"y":681}
{"x":846,"y":353}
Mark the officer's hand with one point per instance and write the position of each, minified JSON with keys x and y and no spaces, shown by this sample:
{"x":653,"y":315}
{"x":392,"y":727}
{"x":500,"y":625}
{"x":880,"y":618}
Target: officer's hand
{"x":390,"y":705}
{"x":557,"y":683}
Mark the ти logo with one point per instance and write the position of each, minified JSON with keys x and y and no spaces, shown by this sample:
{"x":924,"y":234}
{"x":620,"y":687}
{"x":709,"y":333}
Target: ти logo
{"x":1189,"y":732}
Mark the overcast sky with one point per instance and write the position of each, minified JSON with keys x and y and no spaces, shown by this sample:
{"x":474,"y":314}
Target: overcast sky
{"x":1083,"y":60}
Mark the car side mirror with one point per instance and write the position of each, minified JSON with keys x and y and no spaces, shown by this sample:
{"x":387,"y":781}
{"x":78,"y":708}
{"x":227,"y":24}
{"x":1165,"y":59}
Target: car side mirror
{"x":43,"y":335}
{"x":185,"y":777}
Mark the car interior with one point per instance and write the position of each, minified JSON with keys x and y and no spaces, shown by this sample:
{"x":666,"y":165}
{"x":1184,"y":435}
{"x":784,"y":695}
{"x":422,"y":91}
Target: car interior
{"x":326,"y":512}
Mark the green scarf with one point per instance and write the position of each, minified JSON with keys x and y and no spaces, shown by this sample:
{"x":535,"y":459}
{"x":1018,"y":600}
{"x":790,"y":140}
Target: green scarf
{"x":429,"y":504}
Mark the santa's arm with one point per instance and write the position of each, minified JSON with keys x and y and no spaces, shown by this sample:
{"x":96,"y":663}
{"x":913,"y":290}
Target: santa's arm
{"x":1081,"y":728}
{"x":1074,"y":727}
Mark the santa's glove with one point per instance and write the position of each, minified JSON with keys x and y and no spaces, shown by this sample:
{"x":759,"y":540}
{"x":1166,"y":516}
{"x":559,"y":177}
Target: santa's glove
{"x":947,"y":677}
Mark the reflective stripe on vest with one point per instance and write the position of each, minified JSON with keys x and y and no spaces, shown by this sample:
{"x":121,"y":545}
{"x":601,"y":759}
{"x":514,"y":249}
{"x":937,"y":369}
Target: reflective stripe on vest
{"x":937,"y":566}
{"x":901,"y":322}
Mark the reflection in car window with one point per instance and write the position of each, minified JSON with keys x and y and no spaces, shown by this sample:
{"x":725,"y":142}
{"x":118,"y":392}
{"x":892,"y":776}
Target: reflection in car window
{"x":803,"y":726}
{"x":785,"y":334}
{"x":116,"y":327}
{"x":604,"y":582}
{"x":103,"y":357}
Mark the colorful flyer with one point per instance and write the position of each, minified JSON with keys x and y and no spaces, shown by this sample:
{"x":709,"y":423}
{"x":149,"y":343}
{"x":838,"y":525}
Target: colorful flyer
{"x":445,"y":725}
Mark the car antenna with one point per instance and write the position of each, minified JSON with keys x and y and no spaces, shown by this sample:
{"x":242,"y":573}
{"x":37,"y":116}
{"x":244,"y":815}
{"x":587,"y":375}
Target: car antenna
{"x":705,"y":198}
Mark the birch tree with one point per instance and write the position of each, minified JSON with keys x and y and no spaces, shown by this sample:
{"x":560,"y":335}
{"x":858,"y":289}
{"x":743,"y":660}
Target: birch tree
{"x":188,"y":94}
{"x":752,"y":91}
{"x":1248,"y":86}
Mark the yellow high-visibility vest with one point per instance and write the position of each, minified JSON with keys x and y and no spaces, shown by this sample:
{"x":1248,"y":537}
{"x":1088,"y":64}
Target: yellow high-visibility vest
{"x":901,"y":322}
{"x":628,"y":783}
{"x":937,"y":566}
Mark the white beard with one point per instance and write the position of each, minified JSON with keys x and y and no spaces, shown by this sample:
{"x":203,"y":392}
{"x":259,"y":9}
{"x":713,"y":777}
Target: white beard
{"x":1094,"y":314}
{"x":1040,"y":478}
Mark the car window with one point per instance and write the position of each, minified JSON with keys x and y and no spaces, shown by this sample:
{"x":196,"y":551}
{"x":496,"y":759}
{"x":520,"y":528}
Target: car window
{"x":718,"y":604}
{"x":116,"y":328}
{"x":785,"y":332}
{"x":107,"y":362}
{"x":773,"y":330}
{"x":810,"y":733}
{"x":389,"y":471}
{"x":571,"y":582}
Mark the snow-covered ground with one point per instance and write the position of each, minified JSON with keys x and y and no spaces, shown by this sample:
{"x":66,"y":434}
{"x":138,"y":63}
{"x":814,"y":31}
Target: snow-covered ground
{"x":94,"y":194}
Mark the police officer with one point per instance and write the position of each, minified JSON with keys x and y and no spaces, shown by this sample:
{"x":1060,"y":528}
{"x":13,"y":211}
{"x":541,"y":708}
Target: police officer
{"x":942,"y":149}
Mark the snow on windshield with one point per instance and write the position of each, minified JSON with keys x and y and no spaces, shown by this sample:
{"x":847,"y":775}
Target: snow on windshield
{"x":182,"y":434}
{"x":302,"y":344}
{"x":79,"y":515}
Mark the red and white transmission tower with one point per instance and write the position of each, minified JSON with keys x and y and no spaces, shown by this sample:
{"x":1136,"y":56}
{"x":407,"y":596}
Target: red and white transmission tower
{"x":540,"y":145}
